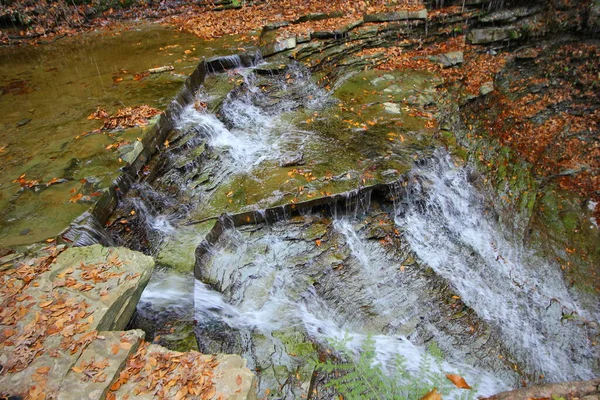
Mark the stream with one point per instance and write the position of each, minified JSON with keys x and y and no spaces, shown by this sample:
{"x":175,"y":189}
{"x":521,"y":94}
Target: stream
{"x":424,"y":264}
{"x":292,"y":220}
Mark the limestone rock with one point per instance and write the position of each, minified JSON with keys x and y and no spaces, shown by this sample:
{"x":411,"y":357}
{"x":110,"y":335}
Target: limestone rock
{"x":99,"y":287}
{"x":491,"y":35}
{"x":130,"y":152}
{"x":109,"y":352}
{"x":129,"y":272}
{"x":450,"y":59}
{"x":291,"y":160}
{"x":396,"y":16}
{"x":318,"y":17}
{"x":178,"y":250}
{"x":571,"y":390}
{"x":486,"y":88}
{"x":509,"y":15}
{"x":278,"y":45}
{"x":231,"y":378}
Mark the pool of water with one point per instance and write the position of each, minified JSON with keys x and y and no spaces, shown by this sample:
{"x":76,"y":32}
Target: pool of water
{"x":46,"y":94}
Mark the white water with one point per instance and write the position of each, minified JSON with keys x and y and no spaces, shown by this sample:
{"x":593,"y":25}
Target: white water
{"x":167,"y":292}
{"x":522,"y":295}
{"x":154,"y":221}
{"x":271,"y":305}
{"x":356,"y":245}
{"x":251,"y":134}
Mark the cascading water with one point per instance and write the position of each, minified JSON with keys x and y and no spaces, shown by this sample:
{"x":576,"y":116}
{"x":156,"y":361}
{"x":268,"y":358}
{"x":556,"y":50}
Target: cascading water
{"x":275,"y":290}
{"x":264,"y":281}
{"x":504,"y":282}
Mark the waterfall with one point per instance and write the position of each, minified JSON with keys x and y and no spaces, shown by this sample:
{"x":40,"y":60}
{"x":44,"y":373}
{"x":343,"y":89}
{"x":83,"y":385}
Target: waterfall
{"x":505,"y":283}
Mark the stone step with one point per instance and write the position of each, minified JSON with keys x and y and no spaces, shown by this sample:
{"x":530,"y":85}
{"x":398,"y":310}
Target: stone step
{"x":99,"y":365}
{"x":156,"y":372}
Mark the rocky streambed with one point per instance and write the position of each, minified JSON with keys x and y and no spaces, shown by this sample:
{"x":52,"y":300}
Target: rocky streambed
{"x":303,"y":205}
{"x":309,"y":215}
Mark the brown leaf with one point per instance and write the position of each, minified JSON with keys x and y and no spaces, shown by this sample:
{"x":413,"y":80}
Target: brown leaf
{"x":126,"y":345}
{"x":458,"y":381}
{"x":115,"y":348}
{"x":432,"y":395}
{"x":43,"y":370}
{"x":238,"y":380}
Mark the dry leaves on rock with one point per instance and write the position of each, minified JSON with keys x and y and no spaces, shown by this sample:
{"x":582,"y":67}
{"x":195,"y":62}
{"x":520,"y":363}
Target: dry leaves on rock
{"x":168,"y":374}
{"x":125,"y":117}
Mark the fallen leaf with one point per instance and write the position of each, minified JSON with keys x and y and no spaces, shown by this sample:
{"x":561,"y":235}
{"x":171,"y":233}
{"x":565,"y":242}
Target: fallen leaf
{"x":238,"y":380}
{"x":432,"y":395}
{"x":115,"y":349}
{"x":43,"y":370}
{"x":458,"y":381}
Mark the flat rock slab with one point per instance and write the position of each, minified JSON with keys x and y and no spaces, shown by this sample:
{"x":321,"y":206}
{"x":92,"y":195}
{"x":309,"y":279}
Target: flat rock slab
{"x":99,"y":365}
{"x":491,"y":35}
{"x":584,"y":390}
{"x":155,"y":372}
{"x":396,"y":16}
{"x":278,"y":45}
{"x":51,"y":311}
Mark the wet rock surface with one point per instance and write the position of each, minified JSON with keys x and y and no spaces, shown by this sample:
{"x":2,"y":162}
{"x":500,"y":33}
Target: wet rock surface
{"x":267,"y":175}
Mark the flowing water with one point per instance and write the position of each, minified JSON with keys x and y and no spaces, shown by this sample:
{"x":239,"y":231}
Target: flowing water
{"x":428,"y":266}
{"x":46,"y":95}
{"x":504,"y":282}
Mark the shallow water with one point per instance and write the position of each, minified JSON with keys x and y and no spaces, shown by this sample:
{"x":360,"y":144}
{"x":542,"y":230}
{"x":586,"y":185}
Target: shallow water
{"x":47,"y":92}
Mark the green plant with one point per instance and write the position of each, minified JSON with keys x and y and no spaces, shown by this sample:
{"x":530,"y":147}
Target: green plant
{"x":363,"y":378}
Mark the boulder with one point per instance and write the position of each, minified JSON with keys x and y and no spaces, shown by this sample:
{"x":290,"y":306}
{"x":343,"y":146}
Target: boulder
{"x":449,"y":59}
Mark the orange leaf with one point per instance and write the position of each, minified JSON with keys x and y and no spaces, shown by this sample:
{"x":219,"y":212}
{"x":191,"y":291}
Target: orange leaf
{"x":238,"y":380}
{"x":43,"y":370}
{"x":432,"y":395}
{"x":77,"y":369}
{"x":115,"y":348}
{"x":318,"y":242}
{"x":458,"y":381}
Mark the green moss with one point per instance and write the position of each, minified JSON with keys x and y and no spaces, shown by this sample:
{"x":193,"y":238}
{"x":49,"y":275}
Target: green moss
{"x":296,"y":344}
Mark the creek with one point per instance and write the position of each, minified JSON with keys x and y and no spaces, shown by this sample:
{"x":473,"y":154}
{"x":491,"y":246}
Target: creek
{"x":371,"y":233}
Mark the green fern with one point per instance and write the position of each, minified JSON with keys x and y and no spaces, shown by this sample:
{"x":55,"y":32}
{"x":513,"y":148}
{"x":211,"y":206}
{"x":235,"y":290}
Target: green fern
{"x":361,"y":378}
